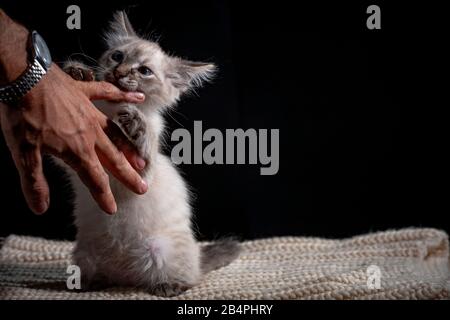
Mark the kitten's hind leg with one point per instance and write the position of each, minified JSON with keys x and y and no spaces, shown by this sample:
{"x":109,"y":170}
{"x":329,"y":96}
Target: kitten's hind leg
{"x":169,"y":290}
{"x":87,"y":267}
{"x":78,"y":71}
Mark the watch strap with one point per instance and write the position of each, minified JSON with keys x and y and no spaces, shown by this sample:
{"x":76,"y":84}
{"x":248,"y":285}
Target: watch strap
{"x":14,"y":91}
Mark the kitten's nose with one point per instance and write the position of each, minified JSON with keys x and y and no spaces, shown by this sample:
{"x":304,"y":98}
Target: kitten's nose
{"x":121,"y":72}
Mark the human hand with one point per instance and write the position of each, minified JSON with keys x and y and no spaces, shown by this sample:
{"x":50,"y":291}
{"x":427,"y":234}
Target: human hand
{"x":57,"y":117}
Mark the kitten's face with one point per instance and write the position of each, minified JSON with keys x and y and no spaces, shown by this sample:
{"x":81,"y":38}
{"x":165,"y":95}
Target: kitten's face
{"x":135,"y":64}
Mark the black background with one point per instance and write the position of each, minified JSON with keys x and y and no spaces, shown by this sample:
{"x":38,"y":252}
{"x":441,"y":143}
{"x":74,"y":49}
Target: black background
{"x":360,"y":150}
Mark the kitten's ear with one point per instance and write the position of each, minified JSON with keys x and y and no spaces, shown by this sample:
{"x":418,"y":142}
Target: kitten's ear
{"x":186,"y":75}
{"x":121,"y":25}
{"x":120,"y":28}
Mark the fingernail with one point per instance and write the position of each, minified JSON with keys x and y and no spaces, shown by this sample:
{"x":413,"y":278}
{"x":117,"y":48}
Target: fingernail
{"x":113,"y":208}
{"x":143,"y":187}
{"x":41,"y":207}
{"x":138,"y":95}
{"x":140,"y":163}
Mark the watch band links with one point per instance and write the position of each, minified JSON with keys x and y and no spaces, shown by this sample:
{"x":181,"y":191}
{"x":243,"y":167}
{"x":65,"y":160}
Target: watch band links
{"x":30,"y":77}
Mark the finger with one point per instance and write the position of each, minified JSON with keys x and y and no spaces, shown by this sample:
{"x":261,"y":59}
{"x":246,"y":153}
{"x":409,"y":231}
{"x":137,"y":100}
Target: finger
{"x":102,"y":119}
{"x":93,"y":175}
{"x":116,"y":163}
{"x":133,"y":157}
{"x":28,"y":161}
{"x":107,"y":91}
{"x":117,"y":137}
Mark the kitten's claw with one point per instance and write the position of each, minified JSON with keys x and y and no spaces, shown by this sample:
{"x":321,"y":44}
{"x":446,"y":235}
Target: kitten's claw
{"x":79,"y":71}
{"x":134,"y":126}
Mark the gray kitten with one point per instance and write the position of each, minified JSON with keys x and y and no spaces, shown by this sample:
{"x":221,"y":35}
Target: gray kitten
{"x":149,"y":242}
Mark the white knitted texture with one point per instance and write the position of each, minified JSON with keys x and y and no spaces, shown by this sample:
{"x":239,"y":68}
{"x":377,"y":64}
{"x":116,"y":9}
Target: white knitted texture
{"x":414,"y":264}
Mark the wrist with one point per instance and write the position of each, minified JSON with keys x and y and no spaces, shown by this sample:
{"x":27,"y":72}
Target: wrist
{"x":33,"y":97}
{"x":24,"y":61}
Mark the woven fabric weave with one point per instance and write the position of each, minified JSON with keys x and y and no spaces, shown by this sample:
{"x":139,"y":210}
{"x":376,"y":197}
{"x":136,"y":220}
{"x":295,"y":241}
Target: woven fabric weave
{"x":412,"y":264}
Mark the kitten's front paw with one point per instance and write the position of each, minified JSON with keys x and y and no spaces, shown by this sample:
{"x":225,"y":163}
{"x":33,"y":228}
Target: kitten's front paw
{"x":134,"y":126}
{"x":78,"y":71}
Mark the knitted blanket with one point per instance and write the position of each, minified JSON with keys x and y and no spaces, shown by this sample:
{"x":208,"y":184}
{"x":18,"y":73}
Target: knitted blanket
{"x":404,"y":264}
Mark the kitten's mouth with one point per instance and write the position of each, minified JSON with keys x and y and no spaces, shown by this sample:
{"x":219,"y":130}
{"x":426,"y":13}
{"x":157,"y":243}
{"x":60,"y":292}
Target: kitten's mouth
{"x":127,"y":85}
{"x":123,"y":84}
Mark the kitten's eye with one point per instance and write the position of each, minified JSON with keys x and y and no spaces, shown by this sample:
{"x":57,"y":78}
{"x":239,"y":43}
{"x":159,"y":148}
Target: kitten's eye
{"x":145,"y":71}
{"x":117,"y":56}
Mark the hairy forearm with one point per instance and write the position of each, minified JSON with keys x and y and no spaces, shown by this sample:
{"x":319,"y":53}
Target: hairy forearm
{"x":13,"y":49}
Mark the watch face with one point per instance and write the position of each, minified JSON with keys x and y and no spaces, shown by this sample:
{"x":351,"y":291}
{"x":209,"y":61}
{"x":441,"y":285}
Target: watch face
{"x":41,"y":49}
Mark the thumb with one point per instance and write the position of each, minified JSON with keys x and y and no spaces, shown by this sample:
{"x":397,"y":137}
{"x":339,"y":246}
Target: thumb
{"x":101,"y":90}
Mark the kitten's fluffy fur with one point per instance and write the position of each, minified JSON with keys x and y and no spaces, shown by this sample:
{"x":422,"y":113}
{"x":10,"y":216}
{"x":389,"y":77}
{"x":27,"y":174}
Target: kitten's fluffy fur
{"x":149,"y":242}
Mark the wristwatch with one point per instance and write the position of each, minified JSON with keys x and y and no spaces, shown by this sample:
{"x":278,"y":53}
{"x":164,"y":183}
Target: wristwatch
{"x":39,"y":62}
